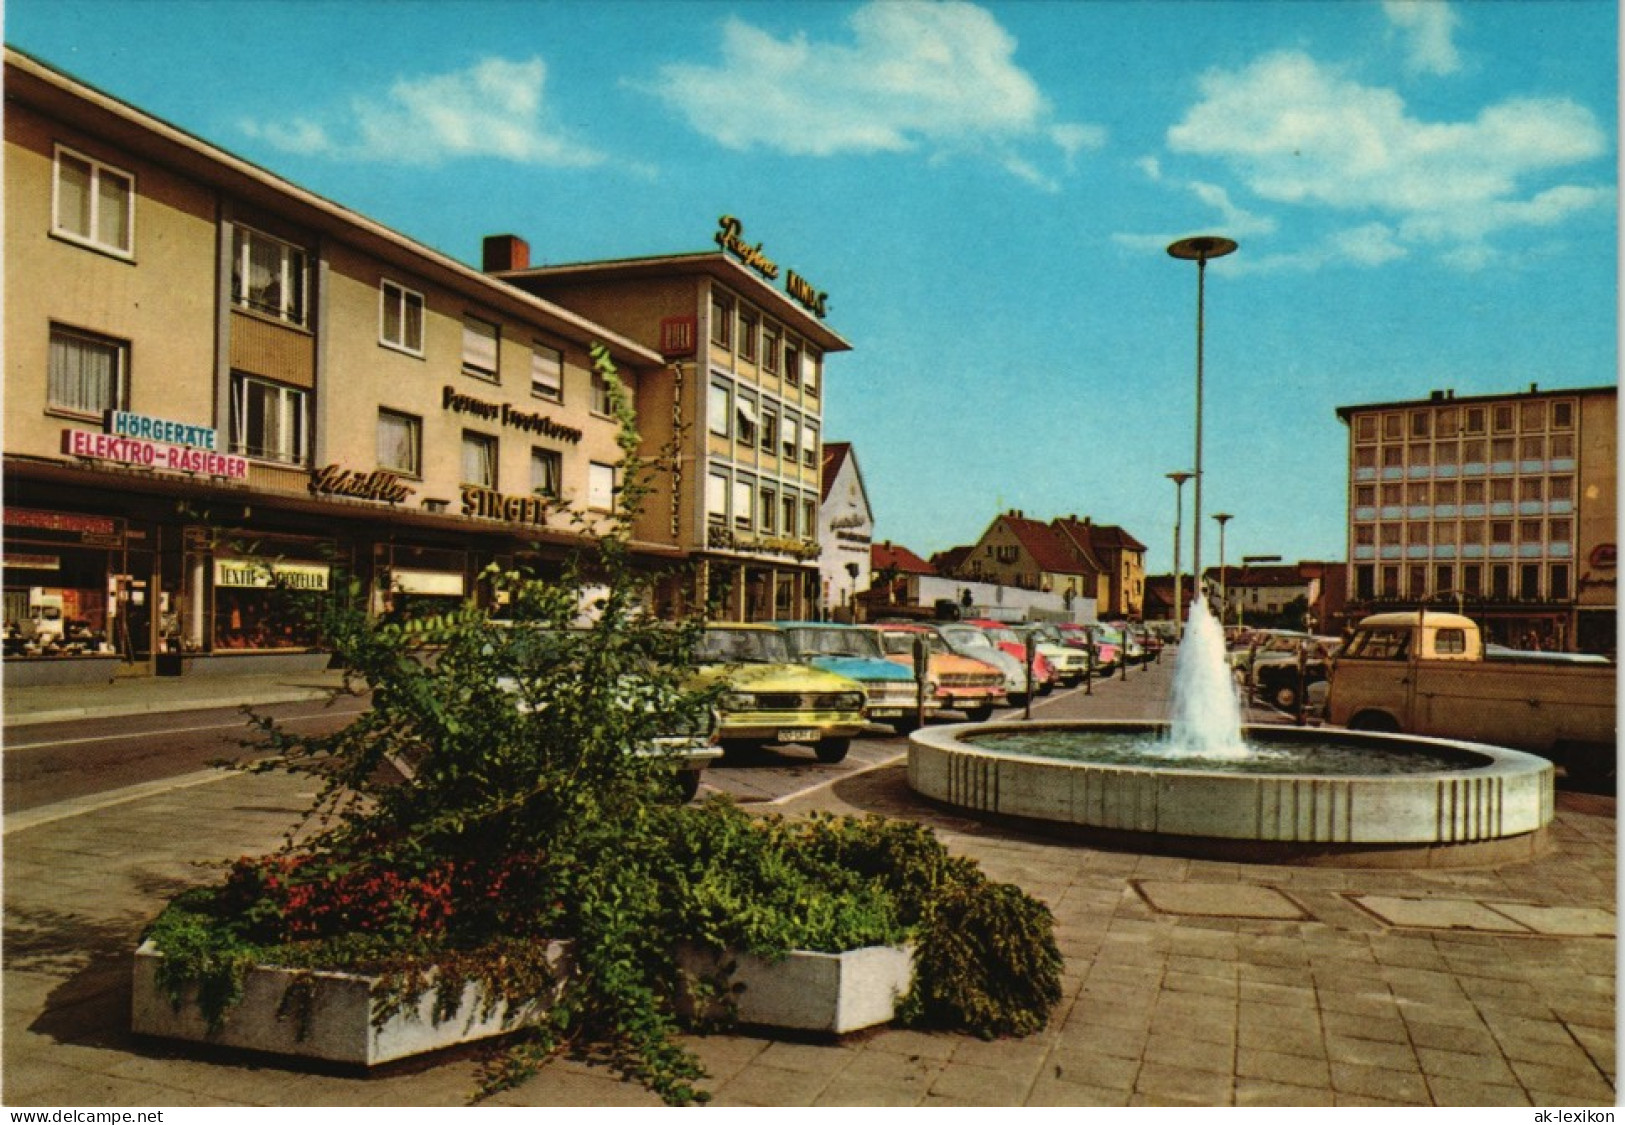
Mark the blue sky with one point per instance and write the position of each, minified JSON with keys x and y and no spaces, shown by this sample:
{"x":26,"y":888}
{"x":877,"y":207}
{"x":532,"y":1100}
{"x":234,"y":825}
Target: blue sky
{"x":1424,"y":194}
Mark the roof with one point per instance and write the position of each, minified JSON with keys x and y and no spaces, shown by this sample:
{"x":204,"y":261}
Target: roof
{"x":835,"y":455}
{"x":1084,"y":535}
{"x":1448,"y":398}
{"x":54,"y":92}
{"x":949,"y":561}
{"x":1047,"y":548}
{"x":890,"y":556}
{"x":1430,"y":619}
{"x":1286,"y":574}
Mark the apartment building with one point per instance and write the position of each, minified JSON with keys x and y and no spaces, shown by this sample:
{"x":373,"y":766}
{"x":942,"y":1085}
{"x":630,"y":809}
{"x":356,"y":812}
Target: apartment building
{"x":1500,"y":506}
{"x":222,"y":389}
{"x":742,"y":429}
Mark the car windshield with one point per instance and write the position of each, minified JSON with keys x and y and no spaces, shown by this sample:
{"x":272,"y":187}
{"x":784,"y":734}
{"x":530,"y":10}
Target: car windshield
{"x":834,"y":642}
{"x":902,"y":643}
{"x":742,"y":646}
{"x":967,"y":638}
{"x":1003,"y":637}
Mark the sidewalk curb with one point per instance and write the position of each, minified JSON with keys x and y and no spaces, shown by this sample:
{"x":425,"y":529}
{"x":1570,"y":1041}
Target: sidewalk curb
{"x":115,"y":710}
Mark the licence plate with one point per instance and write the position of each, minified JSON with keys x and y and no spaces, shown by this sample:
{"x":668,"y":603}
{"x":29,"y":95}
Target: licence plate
{"x":885,"y":712}
{"x":799,"y":734}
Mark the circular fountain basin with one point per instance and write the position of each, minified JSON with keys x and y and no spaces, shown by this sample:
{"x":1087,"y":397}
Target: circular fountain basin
{"x":1303,"y":795}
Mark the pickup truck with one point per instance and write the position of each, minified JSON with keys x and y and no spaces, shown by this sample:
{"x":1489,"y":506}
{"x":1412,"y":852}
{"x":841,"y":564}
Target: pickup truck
{"x":1431,"y":674}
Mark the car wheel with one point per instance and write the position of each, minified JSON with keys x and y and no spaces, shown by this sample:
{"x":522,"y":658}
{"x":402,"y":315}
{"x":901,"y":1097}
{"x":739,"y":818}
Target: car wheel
{"x":979,"y":714}
{"x":1046,"y":687}
{"x":832,"y":750}
{"x":905,"y":726}
{"x":1286,"y":697}
{"x":1017,"y":698}
{"x":735,"y":749}
{"x":688,"y":784}
{"x":1378,"y":722}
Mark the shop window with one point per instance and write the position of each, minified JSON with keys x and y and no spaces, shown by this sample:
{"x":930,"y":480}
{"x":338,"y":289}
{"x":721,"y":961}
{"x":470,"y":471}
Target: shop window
{"x":400,"y":442}
{"x":87,"y":374}
{"x":400,"y":318}
{"x":264,"y":602}
{"x":479,"y":459}
{"x":546,"y":472}
{"x":772,"y":347}
{"x":480,"y":348}
{"x":599,"y":402}
{"x":602,"y":482}
{"x":93,"y":203}
{"x":268,"y":275}
{"x":719,"y":410}
{"x":268,"y":420}
{"x":547,"y":372}
{"x":722,"y":321}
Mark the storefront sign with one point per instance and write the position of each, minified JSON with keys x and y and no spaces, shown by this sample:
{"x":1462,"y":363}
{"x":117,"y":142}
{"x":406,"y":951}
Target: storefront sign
{"x":121,"y":423}
{"x":70,"y":522}
{"x":262,"y":573}
{"x":731,"y":237}
{"x":380,"y":484}
{"x":488,"y":504}
{"x":152,"y":454}
{"x":432,"y":582}
{"x":14,"y":560}
{"x":457,"y":402}
{"x":1604,"y":556}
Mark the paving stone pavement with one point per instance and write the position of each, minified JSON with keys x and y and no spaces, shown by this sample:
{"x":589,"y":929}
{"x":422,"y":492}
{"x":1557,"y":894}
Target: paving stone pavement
{"x":1322,"y":986}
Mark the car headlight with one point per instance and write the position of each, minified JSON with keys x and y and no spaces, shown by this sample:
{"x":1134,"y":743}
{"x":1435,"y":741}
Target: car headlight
{"x":932,"y":687}
{"x":850,"y":701}
{"x":737,"y":701}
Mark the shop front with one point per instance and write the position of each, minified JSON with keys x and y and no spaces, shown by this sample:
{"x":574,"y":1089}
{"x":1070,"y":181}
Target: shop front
{"x":73,"y":609}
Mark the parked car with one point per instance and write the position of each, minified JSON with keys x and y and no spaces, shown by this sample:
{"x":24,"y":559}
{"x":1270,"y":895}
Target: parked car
{"x":1275,"y":677}
{"x":972,"y":687}
{"x":1262,"y":643}
{"x":1069,"y":663}
{"x":891,"y":691}
{"x":968,"y":640}
{"x":1005,"y":637}
{"x":772,"y":698}
{"x":1106,"y":653}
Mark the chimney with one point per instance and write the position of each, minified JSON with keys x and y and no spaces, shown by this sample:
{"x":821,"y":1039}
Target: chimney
{"x":505,"y":252}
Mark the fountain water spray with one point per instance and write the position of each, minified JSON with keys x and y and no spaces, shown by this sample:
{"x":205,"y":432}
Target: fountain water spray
{"x":1206,"y":718}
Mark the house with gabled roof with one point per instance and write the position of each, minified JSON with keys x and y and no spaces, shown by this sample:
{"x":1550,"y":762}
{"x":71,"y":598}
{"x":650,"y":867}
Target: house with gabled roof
{"x":1028,"y":554}
{"x":845,"y":531}
{"x":1121,"y":559}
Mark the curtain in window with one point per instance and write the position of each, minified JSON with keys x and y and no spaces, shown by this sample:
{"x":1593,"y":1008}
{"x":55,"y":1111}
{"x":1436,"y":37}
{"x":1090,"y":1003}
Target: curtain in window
{"x":113,"y":209}
{"x":545,"y":472}
{"x":716,"y":497}
{"x":398,"y":442}
{"x":84,"y":374}
{"x":73,"y":195}
{"x":479,"y":461}
{"x":267,"y":420}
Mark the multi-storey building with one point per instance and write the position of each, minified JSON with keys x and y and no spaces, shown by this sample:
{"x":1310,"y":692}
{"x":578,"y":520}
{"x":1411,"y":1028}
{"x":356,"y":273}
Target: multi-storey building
{"x":743,"y":383}
{"x":221,"y":389}
{"x":1503,"y":506}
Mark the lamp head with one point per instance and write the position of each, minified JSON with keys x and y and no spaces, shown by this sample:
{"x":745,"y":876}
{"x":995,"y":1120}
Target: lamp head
{"x":1202,"y":247}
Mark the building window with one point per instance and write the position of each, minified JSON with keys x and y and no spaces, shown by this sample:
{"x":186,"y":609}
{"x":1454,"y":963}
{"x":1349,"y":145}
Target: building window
{"x":1562,"y":415}
{"x":788,"y":434}
{"x":722,"y":321}
{"x":1501,"y":581}
{"x":94,"y":203}
{"x":809,"y":444}
{"x":87,"y":374}
{"x":400,"y":442}
{"x":769,"y":428}
{"x":400,"y":318}
{"x":1444,"y":580}
{"x":1390,"y":582}
{"x":792,"y":362}
{"x":1365,"y":534}
{"x":747,"y":420}
{"x":1448,"y":453}
{"x":744,"y":498}
{"x":788,"y":525}
{"x":1444,"y":534}
{"x":1419,"y":424}
{"x":1448,"y":423}
{"x":1529,"y":581}
{"x":772,"y":347}
{"x":1473,"y":420}
{"x":1562,"y":447}
{"x":716,"y":498}
{"x":1365,"y":428}
{"x":719,"y":409}
{"x":268,"y":420}
{"x":1501,"y":531}
{"x":1365,"y":496}
{"x":1532,"y":417}
{"x":767,"y":515}
{"x":1532,"y":448}
{"x":599,"y":391}
{"x":1557,"y":581}
{"x":1502,"y":418}
{"x":749,"y":326}
{"x":1560,"y":488}
{"x":546,"y":471}
{"x":602,"y":481}
{"x":1365,"y":457}
{"x":479,"y":459}
{"x":1365,"y":582}
{"x":1393,"y":427}
{"x":809,"y":518}
{"x":480,"y":338}
{"x":268,"y":275}
{"x":1559,"y":531}
{"x":547,"y":372}
{"x":1472,"y":580}
{"x":1472,"y":533}
{"x":811,"y":370}
{"x":1444,"y":492}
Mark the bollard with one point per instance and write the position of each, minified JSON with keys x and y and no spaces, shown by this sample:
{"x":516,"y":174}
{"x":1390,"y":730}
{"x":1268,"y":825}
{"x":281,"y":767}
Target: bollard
{"x":922,"y":670}
{"x":1032,"y":648}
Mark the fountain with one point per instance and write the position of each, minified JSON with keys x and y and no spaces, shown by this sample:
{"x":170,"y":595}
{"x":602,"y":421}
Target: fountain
{"x":1204,"y":784}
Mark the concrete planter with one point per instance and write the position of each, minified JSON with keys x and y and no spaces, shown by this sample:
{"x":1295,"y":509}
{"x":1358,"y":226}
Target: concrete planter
{"x":333,"y":1018}
{"x":826,"y":992}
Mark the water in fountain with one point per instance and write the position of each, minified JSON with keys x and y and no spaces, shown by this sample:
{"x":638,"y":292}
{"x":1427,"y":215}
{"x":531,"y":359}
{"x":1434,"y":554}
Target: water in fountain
{"x":1206,"y":718}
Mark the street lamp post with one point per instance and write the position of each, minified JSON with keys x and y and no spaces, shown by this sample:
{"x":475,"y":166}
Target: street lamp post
{"x":1222,"y":518}
{"x":1179,"y":480}
{"x":1199,"y":250}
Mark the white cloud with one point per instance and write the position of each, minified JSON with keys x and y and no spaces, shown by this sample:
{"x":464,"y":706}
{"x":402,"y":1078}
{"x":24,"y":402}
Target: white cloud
{"x":493,"y":109}
{"x":1429,"y":25}
{"x":934,"y":76}
{"x":1297,"y":132}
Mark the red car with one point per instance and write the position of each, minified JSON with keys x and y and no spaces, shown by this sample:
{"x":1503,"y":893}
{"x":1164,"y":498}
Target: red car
{"x":1003,"y":636}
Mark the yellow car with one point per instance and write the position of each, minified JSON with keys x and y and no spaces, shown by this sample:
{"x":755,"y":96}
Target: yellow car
{"x":771,"y":698}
